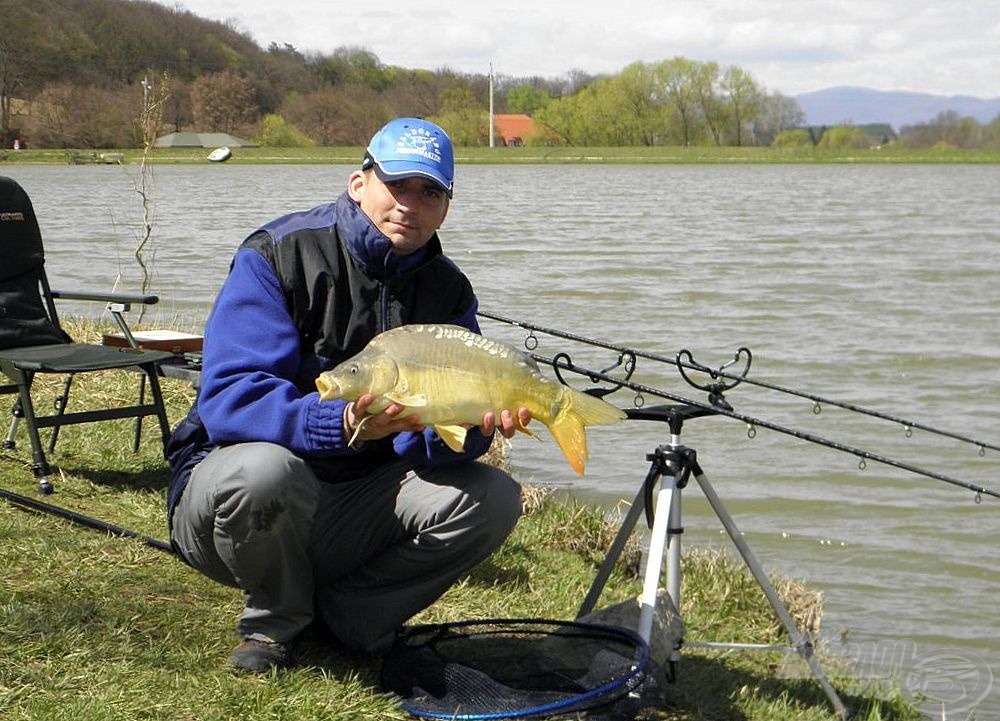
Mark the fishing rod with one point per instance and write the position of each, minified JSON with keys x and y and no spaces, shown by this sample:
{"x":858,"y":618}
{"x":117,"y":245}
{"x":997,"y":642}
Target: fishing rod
{"x":78,"y":518}
{"x":723,"y":381}
{"x":632,"y":355}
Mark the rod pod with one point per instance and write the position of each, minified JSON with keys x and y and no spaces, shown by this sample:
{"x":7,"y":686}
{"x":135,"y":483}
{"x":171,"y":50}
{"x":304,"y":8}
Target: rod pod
{"x":671,"y":465}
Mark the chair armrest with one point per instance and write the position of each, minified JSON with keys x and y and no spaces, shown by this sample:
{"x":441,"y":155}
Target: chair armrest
{"x":106,"y":297}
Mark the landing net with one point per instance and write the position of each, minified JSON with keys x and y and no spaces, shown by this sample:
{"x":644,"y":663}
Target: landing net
{"x":512,"y":668}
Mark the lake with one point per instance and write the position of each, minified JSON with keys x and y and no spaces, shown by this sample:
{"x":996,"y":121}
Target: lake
{"x":872,"y":285}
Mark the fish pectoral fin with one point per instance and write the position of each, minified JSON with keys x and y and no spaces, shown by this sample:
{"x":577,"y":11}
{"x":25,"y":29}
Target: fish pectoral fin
{"x":357,"y":431}
{"x":453,"y":437}
{"x":418,"y":400}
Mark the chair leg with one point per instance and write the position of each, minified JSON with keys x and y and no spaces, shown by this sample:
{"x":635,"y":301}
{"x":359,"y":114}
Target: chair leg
{"x":9,"y":443}
{"x":138,"y":419}
{"x":60,"y":405}
{"x":39,"y":465}
{"x":161,"y":413}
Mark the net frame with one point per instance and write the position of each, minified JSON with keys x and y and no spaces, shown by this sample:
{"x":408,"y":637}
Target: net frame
{"x":424,"y":650}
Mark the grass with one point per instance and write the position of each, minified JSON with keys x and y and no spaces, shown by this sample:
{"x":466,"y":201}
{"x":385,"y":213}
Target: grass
{"x":95,"y":627}
{"x":537,"y":155}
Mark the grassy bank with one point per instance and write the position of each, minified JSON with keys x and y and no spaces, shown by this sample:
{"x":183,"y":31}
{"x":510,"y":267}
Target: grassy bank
{"x":526,"y":155}
{"x":94,"y":627}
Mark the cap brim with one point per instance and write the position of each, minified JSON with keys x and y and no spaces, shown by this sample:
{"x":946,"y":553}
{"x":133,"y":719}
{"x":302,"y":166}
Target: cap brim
{"x":401,"y":170}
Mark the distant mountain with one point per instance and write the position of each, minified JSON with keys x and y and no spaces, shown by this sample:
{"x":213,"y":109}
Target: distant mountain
{"x":860,"y":106}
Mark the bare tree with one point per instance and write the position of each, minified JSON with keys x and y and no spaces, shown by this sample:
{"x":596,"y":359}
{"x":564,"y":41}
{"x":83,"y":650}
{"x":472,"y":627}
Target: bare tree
{"x":347,"y":115}
{"x":223,"y":102}
{"x":73,"y":116}
{"x":778,"y":113}
{"x":154,"y":97}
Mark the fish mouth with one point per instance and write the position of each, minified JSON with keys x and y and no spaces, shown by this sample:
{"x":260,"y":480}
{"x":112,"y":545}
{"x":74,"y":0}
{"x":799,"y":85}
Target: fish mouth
{"x":327,"y":388}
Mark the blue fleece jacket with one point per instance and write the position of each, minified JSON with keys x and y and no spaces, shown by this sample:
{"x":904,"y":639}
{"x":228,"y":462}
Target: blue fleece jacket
{"x":252,"y":385}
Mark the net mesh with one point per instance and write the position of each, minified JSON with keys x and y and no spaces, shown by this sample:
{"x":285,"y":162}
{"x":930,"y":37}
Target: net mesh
{"x":512,"y":668}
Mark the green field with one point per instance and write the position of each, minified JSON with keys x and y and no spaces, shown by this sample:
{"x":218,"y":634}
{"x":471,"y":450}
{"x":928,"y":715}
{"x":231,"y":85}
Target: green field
{"x":530,"y":155}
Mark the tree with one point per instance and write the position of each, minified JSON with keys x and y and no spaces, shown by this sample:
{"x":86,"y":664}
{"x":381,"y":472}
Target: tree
{"x":276,"y":133}
{"x":415,"y":93}
{"x":948,"y":129}
{"x":561,"y":115}
{"x":778,"y":114}
{"x":349,"y":115}
{"x":958,"y":131}
{"x":10,"y":81}
{"x":177,"y":112}
{"x":745,"y":99}
{"x":223,"y":102}
{"x":352,"y":66}
{"x":676,"y":91}
{"x":462,"y":117}
{"x":642,"y":121}
{"x":991,"y":134}
{"x":71,"y":116}
{"x":704,"y":82}
{"x":609,"y":112}
{"x":844,"y":137}
{"x":277,"y":73}
{"x":25,"y":50}
{"x":575,"y":81}
{"x":796,"y":139}
{"x":527,"y":99}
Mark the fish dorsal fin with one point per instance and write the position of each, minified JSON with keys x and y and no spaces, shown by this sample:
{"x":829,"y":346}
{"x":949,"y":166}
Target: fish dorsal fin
{"x":417,"y":400}
{"x":453,"y":437}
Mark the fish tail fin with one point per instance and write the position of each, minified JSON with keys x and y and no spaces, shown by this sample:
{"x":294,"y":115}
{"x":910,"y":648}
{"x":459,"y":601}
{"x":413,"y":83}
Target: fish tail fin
{"x":579,"y":410}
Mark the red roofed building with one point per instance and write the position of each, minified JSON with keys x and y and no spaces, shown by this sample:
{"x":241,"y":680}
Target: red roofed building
{"x":515,"y":129}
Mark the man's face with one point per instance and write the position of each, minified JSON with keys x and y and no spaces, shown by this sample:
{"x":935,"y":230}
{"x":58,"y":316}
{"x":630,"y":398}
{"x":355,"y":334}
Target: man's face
{"x":406,"y":211}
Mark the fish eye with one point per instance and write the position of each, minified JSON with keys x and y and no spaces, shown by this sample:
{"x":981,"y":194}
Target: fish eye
{"x":355,"y":369}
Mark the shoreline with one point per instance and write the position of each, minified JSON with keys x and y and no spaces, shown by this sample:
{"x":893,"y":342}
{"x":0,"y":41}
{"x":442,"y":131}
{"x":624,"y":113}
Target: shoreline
{"x":349,"y":155}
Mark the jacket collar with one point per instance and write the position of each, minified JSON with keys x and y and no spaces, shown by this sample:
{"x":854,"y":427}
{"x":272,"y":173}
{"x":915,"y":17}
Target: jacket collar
{"x":372,"y":250}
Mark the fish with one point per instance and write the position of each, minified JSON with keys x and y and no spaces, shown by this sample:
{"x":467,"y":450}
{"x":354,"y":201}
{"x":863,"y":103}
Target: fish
{"x":449,"y":377}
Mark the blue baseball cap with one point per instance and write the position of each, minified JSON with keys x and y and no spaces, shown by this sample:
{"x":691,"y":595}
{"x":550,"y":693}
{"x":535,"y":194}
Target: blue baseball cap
{"x":411,"y":147}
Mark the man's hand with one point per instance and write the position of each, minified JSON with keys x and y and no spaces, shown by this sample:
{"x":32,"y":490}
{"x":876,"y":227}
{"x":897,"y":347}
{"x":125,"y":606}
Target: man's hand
{"x":508,"y":424}
{"x":360,"y":426}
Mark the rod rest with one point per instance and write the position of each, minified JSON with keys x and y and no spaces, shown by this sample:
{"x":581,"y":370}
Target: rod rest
{"x":674,"y":415}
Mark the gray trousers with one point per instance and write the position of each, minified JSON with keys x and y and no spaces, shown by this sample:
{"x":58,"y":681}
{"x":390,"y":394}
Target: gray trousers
{"x":364,"y":556}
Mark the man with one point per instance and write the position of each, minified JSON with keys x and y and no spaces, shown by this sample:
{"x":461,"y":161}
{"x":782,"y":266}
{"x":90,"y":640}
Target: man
{"x":270,"y":491}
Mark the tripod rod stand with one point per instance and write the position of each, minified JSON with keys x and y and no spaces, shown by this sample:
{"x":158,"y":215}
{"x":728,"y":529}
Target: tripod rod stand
{"x":671,"y":466}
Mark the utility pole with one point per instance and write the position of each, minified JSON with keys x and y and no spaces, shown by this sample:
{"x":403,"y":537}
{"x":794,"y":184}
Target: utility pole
{"x":491,"y":105}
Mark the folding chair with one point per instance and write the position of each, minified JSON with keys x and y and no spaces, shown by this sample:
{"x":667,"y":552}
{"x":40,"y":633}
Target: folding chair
{"x":32,"y":340}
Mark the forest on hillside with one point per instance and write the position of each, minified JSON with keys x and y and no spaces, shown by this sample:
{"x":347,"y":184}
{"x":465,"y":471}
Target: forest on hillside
{"x":117,"y":73}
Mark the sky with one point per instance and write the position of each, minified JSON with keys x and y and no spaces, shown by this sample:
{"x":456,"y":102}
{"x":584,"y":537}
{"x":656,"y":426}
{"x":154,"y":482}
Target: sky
{"x":944,"y":47}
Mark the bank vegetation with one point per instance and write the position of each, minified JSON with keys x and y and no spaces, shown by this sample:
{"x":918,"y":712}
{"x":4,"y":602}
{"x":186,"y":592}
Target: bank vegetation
{"x":94,"y":74}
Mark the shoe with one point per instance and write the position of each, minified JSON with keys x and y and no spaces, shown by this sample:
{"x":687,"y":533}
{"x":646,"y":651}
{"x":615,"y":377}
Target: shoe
{"x":255,"y":656}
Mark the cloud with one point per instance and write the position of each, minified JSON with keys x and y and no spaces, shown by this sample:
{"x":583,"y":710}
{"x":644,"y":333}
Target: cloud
{"x":789,"y":46}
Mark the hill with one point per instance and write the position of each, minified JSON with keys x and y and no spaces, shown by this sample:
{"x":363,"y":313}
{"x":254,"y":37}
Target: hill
{"x":860,"y":106}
